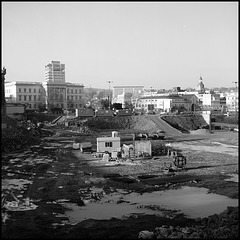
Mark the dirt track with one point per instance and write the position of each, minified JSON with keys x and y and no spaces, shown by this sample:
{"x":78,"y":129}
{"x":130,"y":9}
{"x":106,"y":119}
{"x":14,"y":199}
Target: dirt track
{"x":57,"y":172}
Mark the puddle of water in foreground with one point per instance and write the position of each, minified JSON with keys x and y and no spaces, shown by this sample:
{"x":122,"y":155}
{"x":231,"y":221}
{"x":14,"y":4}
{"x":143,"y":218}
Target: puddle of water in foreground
{"x":193,"y":202}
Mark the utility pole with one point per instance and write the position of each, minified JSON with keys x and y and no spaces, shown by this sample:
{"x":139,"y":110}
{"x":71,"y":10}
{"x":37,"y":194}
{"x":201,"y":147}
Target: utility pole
{"x":3,"y":92}
{"x":235,"y":97}
{"x":109,"y":94}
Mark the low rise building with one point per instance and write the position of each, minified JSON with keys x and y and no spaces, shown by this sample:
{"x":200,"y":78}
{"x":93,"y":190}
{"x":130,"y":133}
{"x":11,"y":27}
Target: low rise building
{"x":163,"y":103}
{"x":108,"y":144}
{"x":232,"y":101}
{"x":28,"y":93}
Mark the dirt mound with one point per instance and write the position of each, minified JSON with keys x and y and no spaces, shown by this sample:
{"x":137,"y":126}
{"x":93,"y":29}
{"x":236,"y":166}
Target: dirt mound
{"x":192,"y":122}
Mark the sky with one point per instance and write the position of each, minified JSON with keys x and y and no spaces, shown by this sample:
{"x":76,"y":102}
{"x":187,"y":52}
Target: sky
{"x":157,"y":45}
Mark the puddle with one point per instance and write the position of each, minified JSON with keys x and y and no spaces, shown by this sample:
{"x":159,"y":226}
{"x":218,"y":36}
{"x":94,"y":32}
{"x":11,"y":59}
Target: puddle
{"x":192,"y":201}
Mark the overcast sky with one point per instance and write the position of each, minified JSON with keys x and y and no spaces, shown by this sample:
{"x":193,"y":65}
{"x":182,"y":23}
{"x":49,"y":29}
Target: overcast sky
{"x":152,"y":44}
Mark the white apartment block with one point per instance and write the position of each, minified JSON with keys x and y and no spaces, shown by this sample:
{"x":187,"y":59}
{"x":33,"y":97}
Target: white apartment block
{"x":209,"y":100}
{"x":28,"y":93}
{"x":163,"y":103}
{"x":232,"y":100}
{"x":55,"y":72}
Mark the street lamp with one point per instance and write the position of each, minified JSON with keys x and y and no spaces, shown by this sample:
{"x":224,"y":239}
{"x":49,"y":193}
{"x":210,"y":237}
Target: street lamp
{"x":109,"y":94}
{"x":235,"y":103}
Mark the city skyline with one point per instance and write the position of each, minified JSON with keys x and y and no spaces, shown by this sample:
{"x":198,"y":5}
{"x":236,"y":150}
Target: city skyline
{"x":154,"y":44}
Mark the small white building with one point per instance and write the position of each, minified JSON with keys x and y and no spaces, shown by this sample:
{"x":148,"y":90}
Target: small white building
{"x":143,"y":147}
{"x":108,"y":144}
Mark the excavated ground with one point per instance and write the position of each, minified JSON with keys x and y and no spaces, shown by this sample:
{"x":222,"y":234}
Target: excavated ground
{"x":53,"y":173}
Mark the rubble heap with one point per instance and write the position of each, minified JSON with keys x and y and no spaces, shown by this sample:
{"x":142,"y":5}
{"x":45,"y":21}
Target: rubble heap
{"x":224,"y":225}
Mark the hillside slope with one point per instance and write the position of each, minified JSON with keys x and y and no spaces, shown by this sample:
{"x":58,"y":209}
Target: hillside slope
{"x":152,"y":123}
{"x":192,"y":122}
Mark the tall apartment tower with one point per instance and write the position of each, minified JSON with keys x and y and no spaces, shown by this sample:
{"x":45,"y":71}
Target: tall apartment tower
{"x":55,"y":72}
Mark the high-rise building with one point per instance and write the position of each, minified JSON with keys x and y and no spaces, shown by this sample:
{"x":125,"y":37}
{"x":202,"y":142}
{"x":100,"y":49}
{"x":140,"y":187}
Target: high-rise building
{"x":55,"y":72}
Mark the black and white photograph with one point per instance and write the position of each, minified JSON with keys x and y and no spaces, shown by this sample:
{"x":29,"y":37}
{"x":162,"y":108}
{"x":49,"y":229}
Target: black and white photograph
{"x":119,"y":120}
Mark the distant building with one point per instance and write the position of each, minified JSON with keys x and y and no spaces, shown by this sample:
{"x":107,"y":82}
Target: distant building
{"x":232,"y":101}
{"x":200,"y":87}
{"x":28,"y":93}
{"x":126,"y":94}
{"x":209,"y":101}
{"x":55,"y":72}
{"x":54,"y":92}
{"x":163,"y":103}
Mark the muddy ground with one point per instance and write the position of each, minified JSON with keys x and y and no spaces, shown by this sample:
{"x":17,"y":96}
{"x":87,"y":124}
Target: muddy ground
{"x":53,"y":173}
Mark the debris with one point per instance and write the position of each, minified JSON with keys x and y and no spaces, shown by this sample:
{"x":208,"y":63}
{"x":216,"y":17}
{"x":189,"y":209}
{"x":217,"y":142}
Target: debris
{"x":145,"y":234}
{"x":15,"y":206}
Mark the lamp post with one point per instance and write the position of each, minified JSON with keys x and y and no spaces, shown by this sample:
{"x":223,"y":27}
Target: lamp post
{"x":235,"y":103}
{"x":109,"y":94}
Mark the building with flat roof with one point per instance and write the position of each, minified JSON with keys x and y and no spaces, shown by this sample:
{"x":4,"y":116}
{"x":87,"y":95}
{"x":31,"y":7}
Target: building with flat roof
{"x":28,"y":93}
{"x":55,"y":72}
{"x":54,"y":92}
{"x":163,"y":103}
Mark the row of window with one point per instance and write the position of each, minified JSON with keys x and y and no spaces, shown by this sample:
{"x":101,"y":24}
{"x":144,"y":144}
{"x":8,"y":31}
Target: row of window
{"x":24,"y":98}
{"x":71,"y":105}
{"x":76,"y":98}
{"x":32,"y":106}
{"x":79,"y":91}
{"x":29,"y":90}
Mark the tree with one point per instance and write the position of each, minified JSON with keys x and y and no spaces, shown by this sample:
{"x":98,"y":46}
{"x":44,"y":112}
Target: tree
{"x":42,"y":107}
{"x":105,"y":103}
{"x":177,"y":108}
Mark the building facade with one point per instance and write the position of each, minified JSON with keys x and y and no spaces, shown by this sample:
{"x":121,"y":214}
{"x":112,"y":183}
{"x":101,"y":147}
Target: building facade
{"x":55,"y":72}
{"x":28,"y":93}
{"x":210,"y":101}
{"x":163,"y":103}
{"x":232,"y":101}
{"x":126,"y":94}
{"x":54,"y":92}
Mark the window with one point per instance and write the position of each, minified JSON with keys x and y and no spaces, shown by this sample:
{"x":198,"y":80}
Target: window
{"x":25,"y":98}
{"x":75,"y":90}
{"x":108,"y":144}
{"x":39,"y":91}
{"x":39,"y":97}
{"x":76,"y":97}
{"x":79,"y":90}
{"x":19,"y":90}
{"x":30,"y":89}
{"x":20,"y":97}
{"x":25,"y":90}
{"x":30,"y":106}
{"x":35,"y":105}
{"x":67,"y":97}
{"x":71,"y":90}
{"x":30,"y":98}
{"x":35,"y":98}
{"x":68,"y":90}
{"x":34,"y":90}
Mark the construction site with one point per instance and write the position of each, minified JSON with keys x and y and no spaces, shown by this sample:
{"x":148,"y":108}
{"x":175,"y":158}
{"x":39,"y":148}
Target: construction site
{"x":139,"y":176}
